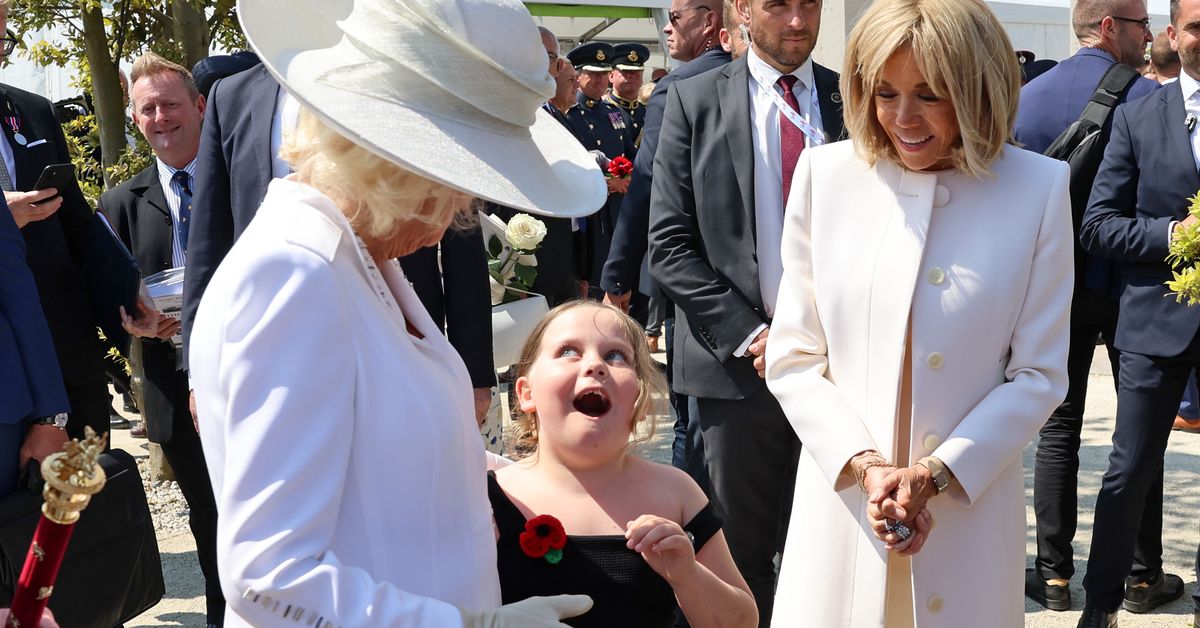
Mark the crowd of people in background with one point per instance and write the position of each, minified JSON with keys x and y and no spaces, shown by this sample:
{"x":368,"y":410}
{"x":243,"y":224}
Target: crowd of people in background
{"x":873,"y":289}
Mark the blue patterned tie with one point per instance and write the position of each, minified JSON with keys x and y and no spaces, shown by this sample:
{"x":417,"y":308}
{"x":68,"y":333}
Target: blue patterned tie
{"x":182,"y":179}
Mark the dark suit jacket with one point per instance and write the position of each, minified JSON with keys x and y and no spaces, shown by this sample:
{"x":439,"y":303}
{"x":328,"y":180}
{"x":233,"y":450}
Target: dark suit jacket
{"x":138,"y":212}
{"x":1143,"y":184}
{"x":628,"y":248}
{"x":31,"y":385}
{"x":57,"y":248}
{"x":233,"y":170}
{"x":702,"y":238}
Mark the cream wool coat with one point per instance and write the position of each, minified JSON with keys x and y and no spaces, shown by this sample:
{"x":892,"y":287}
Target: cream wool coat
{"x":985,"y":267}
{"x":347,"y":466}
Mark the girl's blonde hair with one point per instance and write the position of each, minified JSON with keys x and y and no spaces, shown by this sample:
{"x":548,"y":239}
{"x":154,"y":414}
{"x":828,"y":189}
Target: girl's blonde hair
{"x":652,"y":385}
{"x":376,"y":194}
{"x":964,"y":55}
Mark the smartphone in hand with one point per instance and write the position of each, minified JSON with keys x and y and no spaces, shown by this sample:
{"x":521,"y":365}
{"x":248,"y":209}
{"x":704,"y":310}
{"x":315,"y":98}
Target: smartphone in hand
{"x":57,"y":176}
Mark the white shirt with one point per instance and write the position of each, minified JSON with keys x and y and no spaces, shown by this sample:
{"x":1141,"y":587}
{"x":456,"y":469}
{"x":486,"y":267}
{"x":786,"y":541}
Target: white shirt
{"x":1191,"y":105}
{"x":287,"y":111}
{"x":768,"y":170}
{"x":172,"y":190}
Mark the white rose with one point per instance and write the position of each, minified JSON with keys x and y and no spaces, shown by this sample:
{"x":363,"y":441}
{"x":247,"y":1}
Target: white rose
{"x":525,"y":232}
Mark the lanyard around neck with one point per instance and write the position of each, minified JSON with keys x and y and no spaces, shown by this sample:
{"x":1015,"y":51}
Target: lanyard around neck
{"x":816,"y":137}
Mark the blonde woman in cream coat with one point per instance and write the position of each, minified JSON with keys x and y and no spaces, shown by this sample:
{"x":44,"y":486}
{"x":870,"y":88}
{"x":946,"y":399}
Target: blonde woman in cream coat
{"x":920,"y":338}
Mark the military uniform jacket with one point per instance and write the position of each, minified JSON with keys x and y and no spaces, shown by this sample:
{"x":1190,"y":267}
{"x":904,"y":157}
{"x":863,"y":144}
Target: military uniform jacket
{"x":636,"y":112}
{"x":601,"y":125}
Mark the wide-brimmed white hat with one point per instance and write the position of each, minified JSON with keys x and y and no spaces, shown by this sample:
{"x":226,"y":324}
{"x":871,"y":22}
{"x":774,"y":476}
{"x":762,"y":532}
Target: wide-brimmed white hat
{"x":450,"y":89}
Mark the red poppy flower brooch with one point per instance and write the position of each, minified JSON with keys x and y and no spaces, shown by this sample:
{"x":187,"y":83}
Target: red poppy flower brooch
{"x":544,"y":537}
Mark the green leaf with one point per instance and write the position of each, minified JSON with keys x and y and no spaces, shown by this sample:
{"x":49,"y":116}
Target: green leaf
{"x":495,"y":247}
{"x":553,"y":556}
{"x":525,"y":274}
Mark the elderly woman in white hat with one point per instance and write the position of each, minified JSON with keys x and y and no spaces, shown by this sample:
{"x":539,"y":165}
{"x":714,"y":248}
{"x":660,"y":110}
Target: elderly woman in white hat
{"x":338,"y":422}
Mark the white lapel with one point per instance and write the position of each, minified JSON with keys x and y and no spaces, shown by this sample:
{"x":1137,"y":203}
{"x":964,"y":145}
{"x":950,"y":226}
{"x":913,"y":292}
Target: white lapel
{"x":905,"y":204}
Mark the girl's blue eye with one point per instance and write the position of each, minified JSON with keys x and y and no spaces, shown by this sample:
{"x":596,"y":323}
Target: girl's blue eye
{"x":568,"y":352}
{"x":616,"y":356}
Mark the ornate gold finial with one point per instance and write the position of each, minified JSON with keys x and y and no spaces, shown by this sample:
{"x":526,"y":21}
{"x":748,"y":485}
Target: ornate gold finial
{"x":45,"y":592}
{"x":72,"y":477}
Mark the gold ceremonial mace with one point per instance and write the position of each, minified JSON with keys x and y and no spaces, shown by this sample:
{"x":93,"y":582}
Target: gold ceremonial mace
{"x":72,"y":477}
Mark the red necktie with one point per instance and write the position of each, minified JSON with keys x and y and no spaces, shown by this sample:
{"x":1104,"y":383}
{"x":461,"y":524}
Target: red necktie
{"x":791,"y":138}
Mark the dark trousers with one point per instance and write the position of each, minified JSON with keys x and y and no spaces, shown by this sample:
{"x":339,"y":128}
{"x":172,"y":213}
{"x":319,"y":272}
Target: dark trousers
{"x":1056,"y":467}
{"x":1148,"y":394}
{"x":90,"y":407}
{"x":751,"y":452}
{"x":186,"y":458}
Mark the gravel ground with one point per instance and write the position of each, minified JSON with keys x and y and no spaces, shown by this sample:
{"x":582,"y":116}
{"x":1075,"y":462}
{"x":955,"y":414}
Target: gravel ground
{"x":184,"y":602}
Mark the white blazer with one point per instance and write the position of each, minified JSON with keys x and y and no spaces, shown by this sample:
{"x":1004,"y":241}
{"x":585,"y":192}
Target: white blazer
{"x":985,"y":268}
{"x":349,"y":472}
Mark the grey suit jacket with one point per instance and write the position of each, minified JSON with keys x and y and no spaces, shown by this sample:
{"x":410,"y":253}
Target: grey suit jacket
{"x":702,"y":235}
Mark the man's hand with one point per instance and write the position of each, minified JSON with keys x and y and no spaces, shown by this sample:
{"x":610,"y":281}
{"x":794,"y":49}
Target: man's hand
{"x":192,"y":409}
{"x":758,"y":349}
{"x":483,"y":402}
{"x":47,"y":620}
{"x":41,"y":441}
{"x":149,"y":322}
{"x":1186,"y":222}
{"x":617,"y":185}
{"x":27,"y":207}
{"x":619,"y":301}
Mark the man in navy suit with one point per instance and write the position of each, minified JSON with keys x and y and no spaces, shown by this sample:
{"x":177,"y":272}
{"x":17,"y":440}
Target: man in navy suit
{"x":1049,"y":104}
{"x":31,"y":388}
{"x":238,"y":158}
{"x":714,"y":250}
{"x":1138,"y":202}
{"x":692,"y":38}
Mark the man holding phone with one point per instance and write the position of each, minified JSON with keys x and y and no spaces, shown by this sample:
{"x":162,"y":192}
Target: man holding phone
{"x":60,"y":241}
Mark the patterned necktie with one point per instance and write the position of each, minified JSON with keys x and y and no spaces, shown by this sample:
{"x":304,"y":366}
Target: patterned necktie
{"x":181,"y":179}
{"x":791,"y":138}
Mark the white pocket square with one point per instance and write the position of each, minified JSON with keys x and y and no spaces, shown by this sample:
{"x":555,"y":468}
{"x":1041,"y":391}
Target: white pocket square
{"x":36,"y":143}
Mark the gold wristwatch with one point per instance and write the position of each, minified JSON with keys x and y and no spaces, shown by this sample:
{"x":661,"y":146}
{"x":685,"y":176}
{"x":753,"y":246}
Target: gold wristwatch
{"x":941,"y":477}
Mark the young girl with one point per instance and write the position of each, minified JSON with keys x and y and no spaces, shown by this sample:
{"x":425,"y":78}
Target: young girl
{"x":581,"y":514}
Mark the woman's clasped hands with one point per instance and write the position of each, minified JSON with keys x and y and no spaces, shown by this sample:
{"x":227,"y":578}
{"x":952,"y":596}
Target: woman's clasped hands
{"x":896,"y":495}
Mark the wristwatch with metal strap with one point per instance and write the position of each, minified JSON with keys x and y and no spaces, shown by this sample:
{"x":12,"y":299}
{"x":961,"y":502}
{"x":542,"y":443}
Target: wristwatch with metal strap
{"x":941,"y":477}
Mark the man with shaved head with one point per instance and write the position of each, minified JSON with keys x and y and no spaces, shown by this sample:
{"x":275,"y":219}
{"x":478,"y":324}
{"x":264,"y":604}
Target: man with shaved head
{"x":1110,"y":32}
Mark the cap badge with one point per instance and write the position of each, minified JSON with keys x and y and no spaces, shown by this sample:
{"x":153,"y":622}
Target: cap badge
{"x":633,"y":55}
{"x":599,"y":55}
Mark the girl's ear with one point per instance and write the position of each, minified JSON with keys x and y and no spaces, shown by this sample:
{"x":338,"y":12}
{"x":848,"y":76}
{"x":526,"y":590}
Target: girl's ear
{"x":525,"y":395}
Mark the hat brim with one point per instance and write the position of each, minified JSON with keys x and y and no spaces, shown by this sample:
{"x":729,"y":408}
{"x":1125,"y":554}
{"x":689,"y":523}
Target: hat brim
{"x":546,"y":171}
{"x":591,"y":67}
{"x":628,"y":66}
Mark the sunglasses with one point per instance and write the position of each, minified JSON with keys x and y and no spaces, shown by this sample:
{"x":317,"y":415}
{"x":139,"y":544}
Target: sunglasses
{"x":674,"y":16}
{"x":10,"y":42}
{"x":1145,"y":22}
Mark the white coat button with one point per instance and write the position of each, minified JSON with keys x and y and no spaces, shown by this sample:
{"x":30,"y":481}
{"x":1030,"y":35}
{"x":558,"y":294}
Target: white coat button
{"x":931,"y":442}
{"x":934,"y":360}
{"x":937,"y":276}
{"x":935,"y":604}
{"x":941,"y":196}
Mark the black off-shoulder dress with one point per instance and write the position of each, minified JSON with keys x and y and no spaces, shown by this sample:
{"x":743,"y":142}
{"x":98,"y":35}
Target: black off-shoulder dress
{"x":625,"y":590}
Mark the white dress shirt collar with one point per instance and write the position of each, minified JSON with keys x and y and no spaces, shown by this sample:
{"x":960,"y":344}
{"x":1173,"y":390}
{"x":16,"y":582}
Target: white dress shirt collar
{"x":766,"y":74}
{"x":1189,"y":86}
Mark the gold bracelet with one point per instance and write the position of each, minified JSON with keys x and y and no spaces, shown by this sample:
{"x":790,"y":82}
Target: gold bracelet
{"x":860,"y":471}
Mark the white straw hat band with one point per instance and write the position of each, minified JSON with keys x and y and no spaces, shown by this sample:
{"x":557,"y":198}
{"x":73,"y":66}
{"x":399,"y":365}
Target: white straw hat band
{"x":424,"y":65}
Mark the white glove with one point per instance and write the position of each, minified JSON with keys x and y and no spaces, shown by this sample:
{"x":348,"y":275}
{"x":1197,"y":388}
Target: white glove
{"x":534,"y":612}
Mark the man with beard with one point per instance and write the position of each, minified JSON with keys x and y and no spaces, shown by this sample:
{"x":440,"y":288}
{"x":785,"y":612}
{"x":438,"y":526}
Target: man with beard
{"x":1049,"y":104}
{"x":715,"y":251}
{"x":692,"y":38}
{"x":1138,"y":205}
